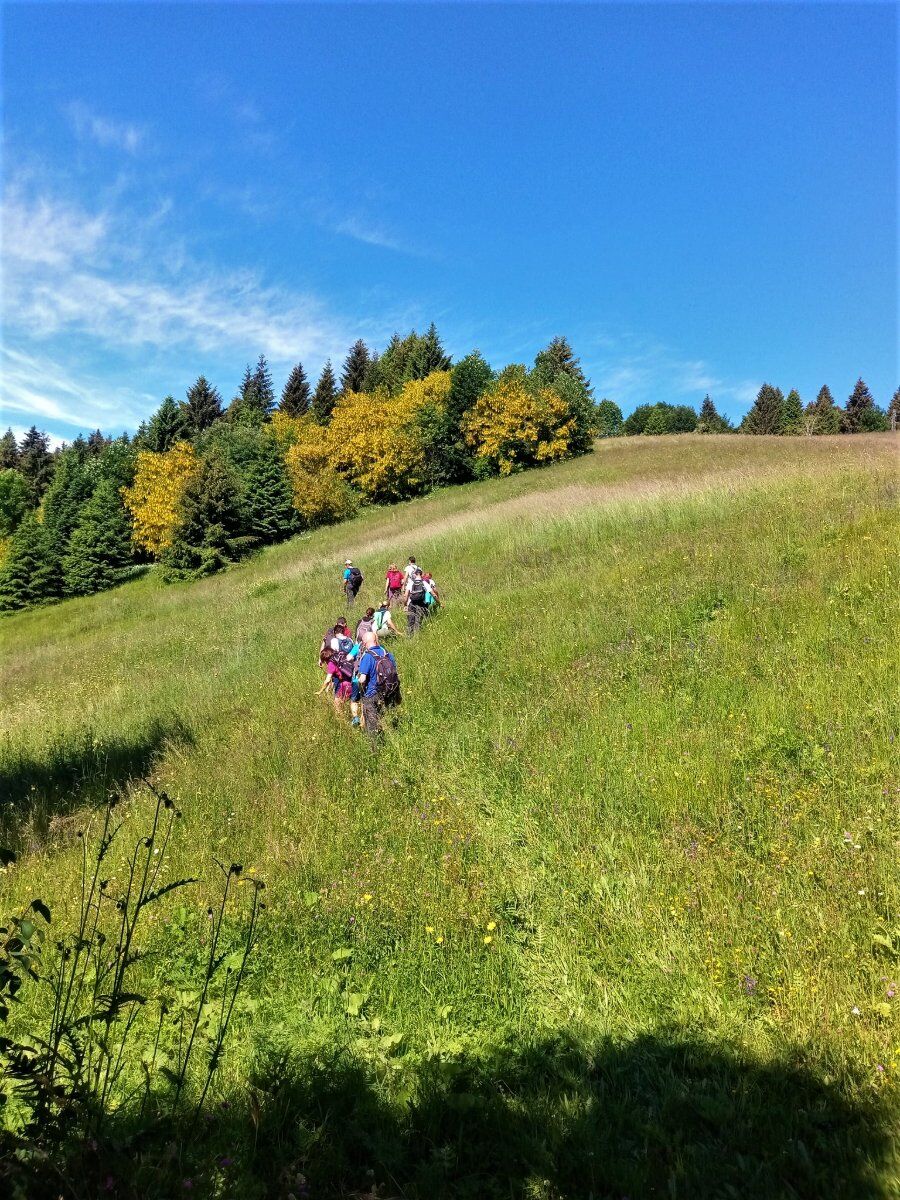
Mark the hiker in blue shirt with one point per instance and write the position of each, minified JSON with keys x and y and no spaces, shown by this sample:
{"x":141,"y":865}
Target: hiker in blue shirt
{"x":352,"y":581}
{"x":378,"y":683}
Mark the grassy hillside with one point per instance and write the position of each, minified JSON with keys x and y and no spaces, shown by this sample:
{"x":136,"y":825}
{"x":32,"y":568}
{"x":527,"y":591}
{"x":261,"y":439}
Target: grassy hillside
{"x":614,"y":879}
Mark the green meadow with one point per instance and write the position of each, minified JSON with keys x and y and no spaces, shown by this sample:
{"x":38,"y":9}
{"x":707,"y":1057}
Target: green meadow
{"x":614,"y":911}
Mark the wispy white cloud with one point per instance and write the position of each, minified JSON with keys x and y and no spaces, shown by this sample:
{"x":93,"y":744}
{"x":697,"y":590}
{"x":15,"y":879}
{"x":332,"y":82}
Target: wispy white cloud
{"x":42,"y":389}
{"x":633,"y":370}
{"x":371,"y":234}
{"x":118,"y":290}
{"x":105,"y":131}
{"x":68,"y":270}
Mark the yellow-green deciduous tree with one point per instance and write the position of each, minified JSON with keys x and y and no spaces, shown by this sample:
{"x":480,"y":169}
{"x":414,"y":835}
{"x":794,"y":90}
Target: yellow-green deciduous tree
{"x":320,"y":495}
{"x":512,"y":425}
{"x":381,"y":443}
{"x":153,"y":499}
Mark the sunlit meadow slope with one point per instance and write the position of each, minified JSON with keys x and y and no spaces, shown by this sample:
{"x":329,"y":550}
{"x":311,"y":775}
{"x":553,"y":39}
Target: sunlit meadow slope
{"x":643,"y":796}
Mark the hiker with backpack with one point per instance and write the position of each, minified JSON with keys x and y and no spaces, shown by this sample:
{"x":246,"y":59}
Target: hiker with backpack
{"x":409,"y":573}
{"x":366,"y":624}
{"x":383,"y":622}
{"x":393,"y":584}
{"x":338,"y":676}
{"x":353,"y":581}
{"x":415,"y":604}
{"x":336,"y":638}
{"x":378,"y":682}
{"x":432,"y":597}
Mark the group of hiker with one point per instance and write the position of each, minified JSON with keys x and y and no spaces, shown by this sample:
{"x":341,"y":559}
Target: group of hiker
{"x":357,"y":667}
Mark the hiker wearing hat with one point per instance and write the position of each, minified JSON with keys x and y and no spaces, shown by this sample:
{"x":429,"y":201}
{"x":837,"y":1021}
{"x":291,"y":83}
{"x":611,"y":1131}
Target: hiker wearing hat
{"x":352,"y":580}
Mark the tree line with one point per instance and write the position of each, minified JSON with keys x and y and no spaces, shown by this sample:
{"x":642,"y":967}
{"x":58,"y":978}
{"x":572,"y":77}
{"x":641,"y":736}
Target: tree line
{"x":202,"y":482}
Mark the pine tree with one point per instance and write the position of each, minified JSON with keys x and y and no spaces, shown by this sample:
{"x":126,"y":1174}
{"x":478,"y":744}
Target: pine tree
{"x":325,"y":395}
{"x":859,"y":401}
{"x":766,"y":414}
{"x":36,"y":463}
{"x":792,"y":413}
{"x":99,"y":549}
{"x":202,"y":408}
{"x":710,"y":420}
{"x":9,"y":451}
{"x":205,"y":540}
{"x":267,"y":505}
{"x":295,"y":397}
{"x":29,"y":574}
{"x":356,"y":367}
{"x":167,"y":426}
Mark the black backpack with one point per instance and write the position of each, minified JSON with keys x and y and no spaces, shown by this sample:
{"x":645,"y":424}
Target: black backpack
{"x":355,"y":578}
{"x":417,"y":593}
{"x":387,"y":681}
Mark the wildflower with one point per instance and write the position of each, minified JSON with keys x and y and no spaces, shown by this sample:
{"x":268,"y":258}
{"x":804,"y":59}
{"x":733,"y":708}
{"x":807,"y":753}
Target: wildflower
{"x":855,"y":1010}
{"x":491,"y":925}
{"x":429,"y":929}
{"x":748,"y":983}
{"x":891,"y":991}
{"x":487,"y":939}
{"x":367,"y":897}
{"x":439,"y":939}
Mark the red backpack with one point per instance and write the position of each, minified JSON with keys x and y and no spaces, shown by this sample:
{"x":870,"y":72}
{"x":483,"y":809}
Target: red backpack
{"x":395,"y":580}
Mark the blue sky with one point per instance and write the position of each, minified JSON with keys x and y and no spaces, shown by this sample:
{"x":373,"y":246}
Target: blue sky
{"x":700,"y":196}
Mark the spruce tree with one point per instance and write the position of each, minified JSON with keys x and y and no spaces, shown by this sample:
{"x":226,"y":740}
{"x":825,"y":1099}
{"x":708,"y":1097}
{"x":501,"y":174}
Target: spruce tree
{"x":710,"y":420}
{"x":99,"y":549}
{"x":559,"y":358}
{"x":792,"y":413}
{"x":427,"y":355}
{"x":295,"y":396}
{"x":256,"y":396}
{"x":202,"y":407}
{"x":29,"y":573}
{"x":13,"y":501}
{"x":9,"y":451}
{"x":893,"y":411}
{"x":167,"y":426}
{"x":67,"y":495}
{"x":325,"y":395}
{"x":766,"y":414}
{"x":822,"y":415}
{"x":356,"y":367}
{"x":858,"y":402}
{"x":267,"y":507}
{"x":263,"y":388}
{"x":36,"y":463}
{"x":97,"y":443}
{"x":209,"y":523}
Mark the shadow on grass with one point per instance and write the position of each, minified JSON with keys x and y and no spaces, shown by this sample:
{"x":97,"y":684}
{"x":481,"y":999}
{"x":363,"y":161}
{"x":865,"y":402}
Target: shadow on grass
{"x":82,"y":769}
{"x":656,"y":1117}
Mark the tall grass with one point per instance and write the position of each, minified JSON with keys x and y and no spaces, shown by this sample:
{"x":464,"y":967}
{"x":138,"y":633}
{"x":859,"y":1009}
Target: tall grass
{"x":638,"y":822}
